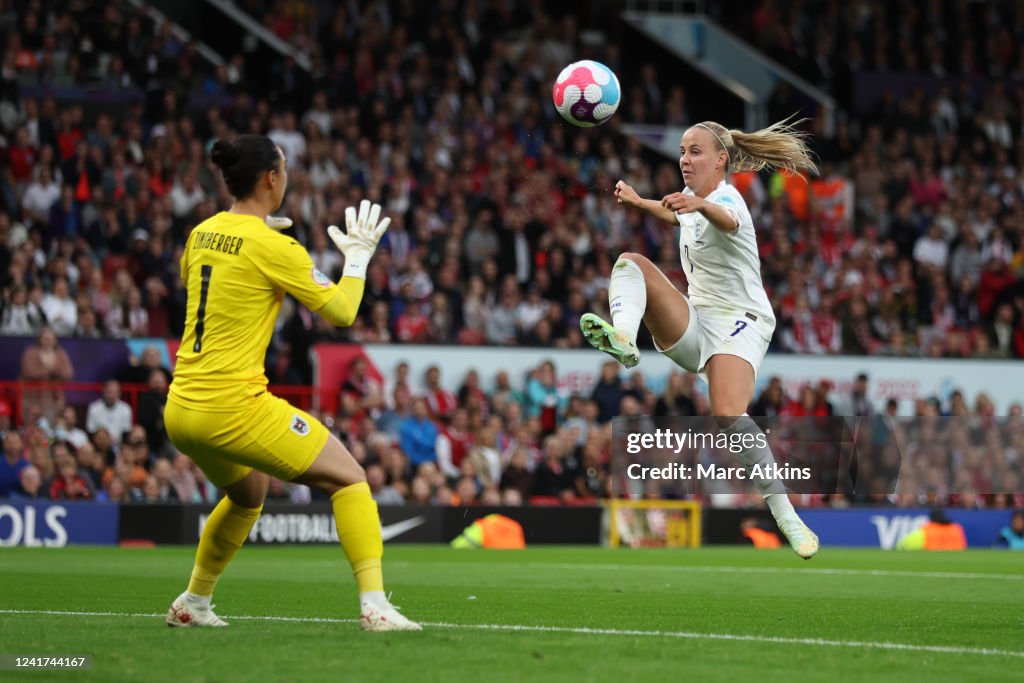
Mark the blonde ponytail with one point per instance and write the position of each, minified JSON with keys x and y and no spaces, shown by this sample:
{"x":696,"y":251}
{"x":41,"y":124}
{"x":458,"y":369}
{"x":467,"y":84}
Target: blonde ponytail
{"x":780,"y":145}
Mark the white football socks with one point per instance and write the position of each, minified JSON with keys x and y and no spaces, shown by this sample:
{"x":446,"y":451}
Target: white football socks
{"x":374,"y":599}
{"x":772,"y":488}
{"x":780,"y":506}
{"x":198,"y":600}
{"x":627,"y":297}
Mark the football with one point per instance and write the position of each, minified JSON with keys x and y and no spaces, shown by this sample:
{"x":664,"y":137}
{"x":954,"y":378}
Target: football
{"x":586,"y":93}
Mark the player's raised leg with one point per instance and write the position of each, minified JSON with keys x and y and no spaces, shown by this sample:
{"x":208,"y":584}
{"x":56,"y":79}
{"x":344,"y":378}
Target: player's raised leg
{"x":224,"y":533}
{"x":638,"y":291}
{"x":730,"y":388}
{"x":338,"y":474}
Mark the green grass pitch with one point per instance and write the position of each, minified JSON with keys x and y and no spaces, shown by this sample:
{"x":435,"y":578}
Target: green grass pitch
{"x":563,"y":614}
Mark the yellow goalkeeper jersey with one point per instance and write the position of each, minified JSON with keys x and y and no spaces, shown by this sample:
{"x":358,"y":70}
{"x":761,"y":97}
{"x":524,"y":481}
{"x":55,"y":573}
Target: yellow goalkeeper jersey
{"x":236,"y":271}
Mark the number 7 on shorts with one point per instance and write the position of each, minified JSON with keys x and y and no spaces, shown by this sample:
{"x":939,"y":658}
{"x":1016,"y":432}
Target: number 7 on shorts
{"x":740,"y":325}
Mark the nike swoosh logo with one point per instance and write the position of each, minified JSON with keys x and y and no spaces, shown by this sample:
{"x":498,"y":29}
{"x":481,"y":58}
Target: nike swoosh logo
{"x":398,"y":528}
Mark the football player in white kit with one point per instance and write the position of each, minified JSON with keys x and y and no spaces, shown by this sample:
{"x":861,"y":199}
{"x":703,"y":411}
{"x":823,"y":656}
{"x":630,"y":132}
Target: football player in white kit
{"x":721,"y":331}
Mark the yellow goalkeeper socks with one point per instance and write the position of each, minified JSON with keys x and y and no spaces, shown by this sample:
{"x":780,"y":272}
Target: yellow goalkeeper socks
{"x":226,"y":530}
{"x":355,"y":512}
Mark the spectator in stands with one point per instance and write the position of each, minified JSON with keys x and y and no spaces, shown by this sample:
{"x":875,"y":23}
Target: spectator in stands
{"x":418,"y":435}
{"x":183,"y":479}
{"x":453,"y":443}
{"x":163,"y":475}
{"x":110,"y":413}
{"x":1000,"y":332}
{"x":140,"y":368}
{"x":128,"y":466}
{"x":382,"y":493}
{"x":66,"y":428}
{"x":810,"y":404}
{"x":90,"y":465}
{"x":552,"y":477}
{"x":129,"y":318}
{"x":472,"y":396}
{"x":206,"y":492}
{"x":677,"y":401}
{"x":39,"y":452}
{"x":516,"y":474}
{"x":608,"y":392}
{"x":46,"y":361}
{"x":390,"y":421}
{"x":543,"y":398}
{"x":442,"y":402}
{"x":500,"y":324}
{"x":60,"y":309}
{"x":592,"y":479}
{"x":860,"y":404}
{"x":186,"y":194}
{"x":103,"y":446}
{"x":151,"y":414}
{"x":484,"y":455}
{"x":772,"y":401}
{"x":31,"y":485}
{"x":504,"y":393}
{"x":68,"y":483}
{"x":411,"y":325}
{"x":361,"y":395}
{"x":1011,"y":536}
{"x":115,"y":492}
{"x":151,"y":492}
{"x":42,"y":193}
{"x":21,"y":316}
{"x":13,"y":462}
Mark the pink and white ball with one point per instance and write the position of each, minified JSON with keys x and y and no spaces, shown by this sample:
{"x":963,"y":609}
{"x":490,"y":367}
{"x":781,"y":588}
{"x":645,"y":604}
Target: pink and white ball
{"x":587,"y":93}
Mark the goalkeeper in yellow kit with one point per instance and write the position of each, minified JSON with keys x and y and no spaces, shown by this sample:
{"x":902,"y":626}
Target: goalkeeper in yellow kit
{"x":219,"y":412}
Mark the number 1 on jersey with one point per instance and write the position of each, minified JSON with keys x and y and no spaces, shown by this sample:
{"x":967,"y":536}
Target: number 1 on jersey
{"x":207,"y":273}
{"x":686,"y":248}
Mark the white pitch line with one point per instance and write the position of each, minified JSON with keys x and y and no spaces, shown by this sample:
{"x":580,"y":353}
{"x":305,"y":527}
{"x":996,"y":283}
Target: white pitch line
{"x":753,"y":570}
{"x":809,"y":570}
{"x":583,"y":630}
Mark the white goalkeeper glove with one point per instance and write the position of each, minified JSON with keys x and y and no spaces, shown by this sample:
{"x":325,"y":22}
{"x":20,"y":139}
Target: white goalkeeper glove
{"x":360,"y":240}
{"x":278,"y":222}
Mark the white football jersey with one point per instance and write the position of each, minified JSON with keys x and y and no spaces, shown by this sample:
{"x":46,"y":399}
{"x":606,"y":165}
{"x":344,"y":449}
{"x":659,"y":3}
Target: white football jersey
{"x":724,"y":270}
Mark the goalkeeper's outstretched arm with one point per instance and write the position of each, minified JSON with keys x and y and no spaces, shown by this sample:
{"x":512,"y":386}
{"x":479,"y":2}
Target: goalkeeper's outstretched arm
{"x":363,"y":231}
{"x":341,"y":310}
{"x":338,"y":303}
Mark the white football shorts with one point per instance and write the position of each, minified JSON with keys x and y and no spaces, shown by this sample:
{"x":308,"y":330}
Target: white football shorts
{"x":711,"y":332}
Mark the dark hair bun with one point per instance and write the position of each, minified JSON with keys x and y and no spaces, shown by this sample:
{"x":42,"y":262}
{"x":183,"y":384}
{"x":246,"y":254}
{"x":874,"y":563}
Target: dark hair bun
{"x":224,"y":154}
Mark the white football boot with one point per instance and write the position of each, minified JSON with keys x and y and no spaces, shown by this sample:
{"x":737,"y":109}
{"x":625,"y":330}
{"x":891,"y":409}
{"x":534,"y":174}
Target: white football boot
{"x":184,"y":612}
{"x":605,"y":337}
{"x":375,"y":616}
{"x":803,"y":541}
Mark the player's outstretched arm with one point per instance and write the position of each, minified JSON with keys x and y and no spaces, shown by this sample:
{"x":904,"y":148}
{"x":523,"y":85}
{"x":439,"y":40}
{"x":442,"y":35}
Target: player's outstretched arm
{"x":628,"y":196}
{"x":363,"y":231}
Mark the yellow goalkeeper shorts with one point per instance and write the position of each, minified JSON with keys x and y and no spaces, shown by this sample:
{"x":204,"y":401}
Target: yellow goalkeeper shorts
{"x":269,"y":435}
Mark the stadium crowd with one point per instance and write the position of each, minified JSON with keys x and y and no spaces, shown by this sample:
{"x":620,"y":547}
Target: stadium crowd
{"x":503,"y":221}
{"x":504,"y":228}
{"x":522,"y":442}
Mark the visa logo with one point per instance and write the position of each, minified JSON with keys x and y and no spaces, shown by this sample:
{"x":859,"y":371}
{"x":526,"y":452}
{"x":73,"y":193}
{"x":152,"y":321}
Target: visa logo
{"x":892,"y":529}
